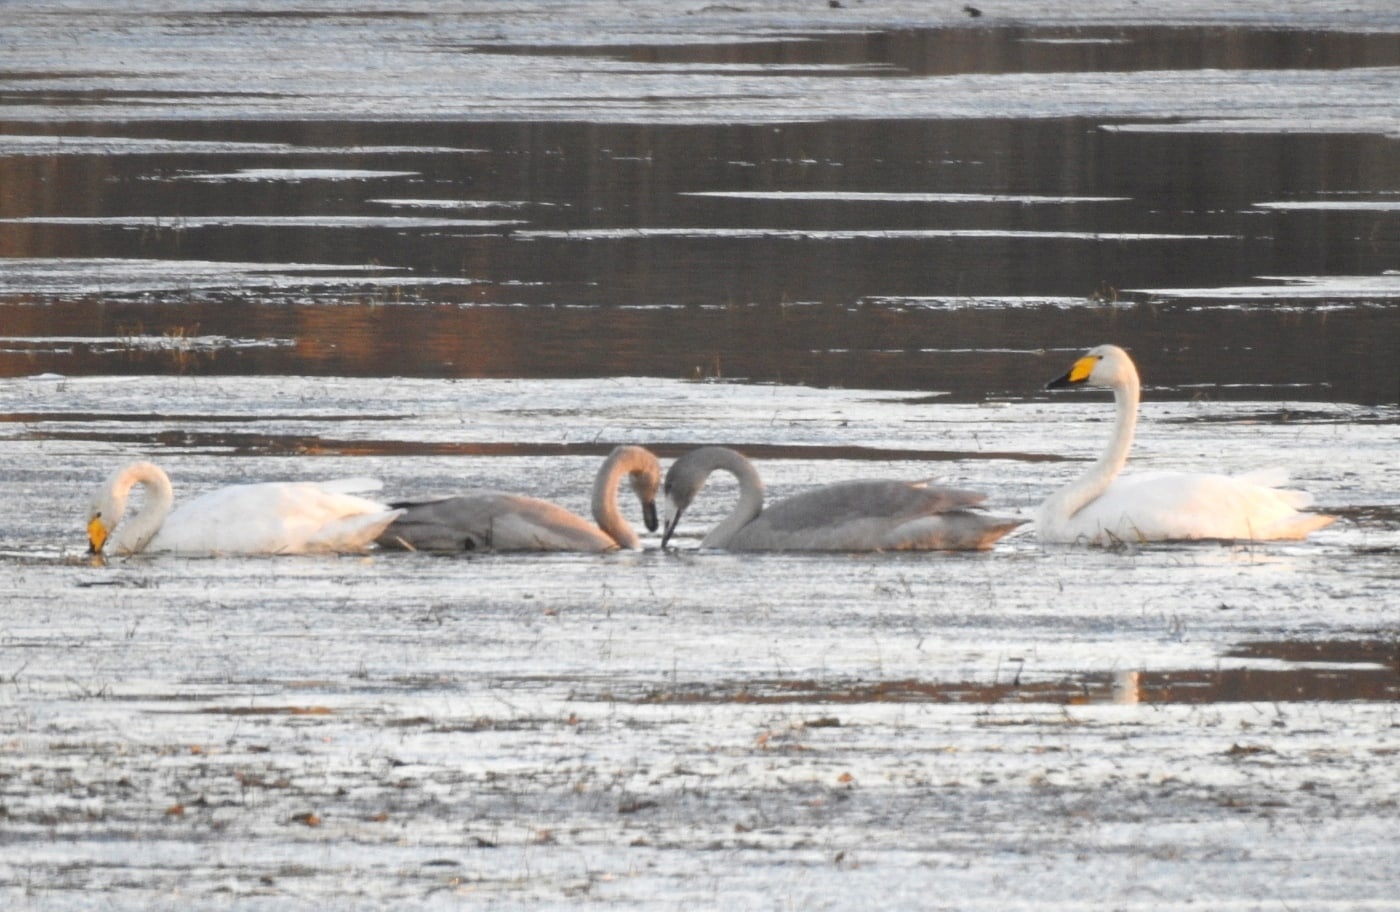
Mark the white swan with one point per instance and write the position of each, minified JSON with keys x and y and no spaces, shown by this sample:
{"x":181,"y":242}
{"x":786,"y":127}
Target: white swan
{"x":1102,"y":508}
{"x":512,"y":522}
{"x":283,"y":517}
{"x":847,"y":516}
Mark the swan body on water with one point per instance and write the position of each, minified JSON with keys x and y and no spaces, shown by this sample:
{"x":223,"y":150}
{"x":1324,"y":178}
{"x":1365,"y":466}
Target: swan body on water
{"x":480,"y":520}
{"x":283,"y":517}
{"x":846,"y":516}
{"x":1102,"y":508}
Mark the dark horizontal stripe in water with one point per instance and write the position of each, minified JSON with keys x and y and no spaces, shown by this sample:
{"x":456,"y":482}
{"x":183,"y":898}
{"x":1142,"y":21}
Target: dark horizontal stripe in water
{"x":1354,"y":671}
{"x":153,"y":417}
{"x":961,"y":355}
{"x":297,"y":445}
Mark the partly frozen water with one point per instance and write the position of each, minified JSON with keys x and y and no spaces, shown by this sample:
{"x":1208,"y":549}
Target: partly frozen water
{"x":479,"y":244}
{"x":1146,"y":727}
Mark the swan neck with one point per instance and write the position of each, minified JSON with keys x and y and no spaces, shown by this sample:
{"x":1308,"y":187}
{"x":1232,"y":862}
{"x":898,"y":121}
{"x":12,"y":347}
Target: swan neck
{"x":605,"y":512}
{"x":137,"y":533}
{"x":1115,"y":455}
{"x":749,"y":505}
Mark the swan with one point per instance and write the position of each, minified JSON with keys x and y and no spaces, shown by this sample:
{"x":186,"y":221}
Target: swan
{"x":512,"y":522}
{"x":846,"y":516}
{"x":280,"y":517}
{"x":1101,"y":508}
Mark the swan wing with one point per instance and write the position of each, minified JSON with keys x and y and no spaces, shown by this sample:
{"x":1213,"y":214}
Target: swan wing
{"x":871,"y":516}
{"x":1275,"y":479}
{"x":848,"y":501}
{"x":273,"y":518}
{"x":955,"y":530}
{"x":1178,"y":506}
{"x":492,"y":520}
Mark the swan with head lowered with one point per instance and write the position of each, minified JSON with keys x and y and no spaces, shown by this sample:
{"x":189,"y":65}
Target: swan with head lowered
{"x":481,"y":520}
{"x":280,"y":517}
{"x":846,"y":516}
{"x":1104,"y":508}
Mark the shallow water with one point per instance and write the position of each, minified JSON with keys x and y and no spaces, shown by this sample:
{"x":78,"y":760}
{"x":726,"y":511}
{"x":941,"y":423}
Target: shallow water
{"x":886,"y":205}
{"x":690,"y":727}
{"x":478,"y":245}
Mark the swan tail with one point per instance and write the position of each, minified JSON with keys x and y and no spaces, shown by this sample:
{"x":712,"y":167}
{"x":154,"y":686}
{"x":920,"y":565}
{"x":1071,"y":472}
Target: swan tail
{"x":997,"y":530}
{"x":1300,"y":525}
{"x":352,"y":533}
{"x":958,"y":530}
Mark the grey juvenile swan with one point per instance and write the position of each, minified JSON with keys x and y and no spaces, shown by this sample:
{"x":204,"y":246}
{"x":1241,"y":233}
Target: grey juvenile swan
{"x":1104,"y":508}
{"x":482,"y":520}
{"x":846,"y":516}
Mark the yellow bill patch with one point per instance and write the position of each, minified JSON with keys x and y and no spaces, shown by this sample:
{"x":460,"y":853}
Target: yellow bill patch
{"x":1082,"y":369}
{"x":97,"y":534}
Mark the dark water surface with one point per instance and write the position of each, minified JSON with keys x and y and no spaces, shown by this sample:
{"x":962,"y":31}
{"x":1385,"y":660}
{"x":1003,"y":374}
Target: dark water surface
{"x":144,"y":233}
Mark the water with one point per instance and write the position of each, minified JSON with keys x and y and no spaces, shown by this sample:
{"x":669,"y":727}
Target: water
{"x":479,"y":245}
{"x":901,"y":208}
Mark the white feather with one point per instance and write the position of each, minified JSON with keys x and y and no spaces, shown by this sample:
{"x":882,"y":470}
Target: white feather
{"x":288,"y":517}
{"x":1103,"y":508}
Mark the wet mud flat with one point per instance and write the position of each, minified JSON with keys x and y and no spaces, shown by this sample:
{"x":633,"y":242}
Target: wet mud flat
{"x":479,"y":244}
{"x":1135,"y":728}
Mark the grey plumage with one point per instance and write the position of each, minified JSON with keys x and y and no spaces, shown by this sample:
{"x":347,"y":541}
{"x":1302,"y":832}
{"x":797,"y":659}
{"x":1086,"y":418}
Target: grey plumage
{"x":499,"y":521}
{"x":846,"y":516}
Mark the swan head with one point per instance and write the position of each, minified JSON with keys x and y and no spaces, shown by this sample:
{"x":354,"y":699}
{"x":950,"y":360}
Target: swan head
{"x":678,"y":497}
{"x":646,"y":481}
{"x":688,"y":475}
{"x":680,"y":488}
{"x":98,"y":533}
{"x":103,"y":514}
{"x":1104,"y":365}
{"x":109,"y":504}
